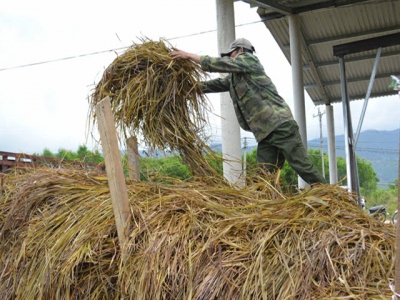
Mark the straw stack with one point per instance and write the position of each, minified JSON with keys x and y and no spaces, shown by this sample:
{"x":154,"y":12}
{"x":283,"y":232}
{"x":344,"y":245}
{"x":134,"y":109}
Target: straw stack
{"x":191,"y":240}
{"x":159,"y":99}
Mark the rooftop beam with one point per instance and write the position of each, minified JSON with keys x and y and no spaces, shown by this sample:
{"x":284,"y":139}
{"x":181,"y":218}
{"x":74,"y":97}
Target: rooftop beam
{"x":348,"y":36}
{"x":356,"y":97}
{"x":274,"y":5}
{"x":282,"y":10}
{"x":355,"y":79}
{"x":365,"y":45}
{"x":353,"y":35}
{"x":356,"y":59}
{"x":325,"y":4}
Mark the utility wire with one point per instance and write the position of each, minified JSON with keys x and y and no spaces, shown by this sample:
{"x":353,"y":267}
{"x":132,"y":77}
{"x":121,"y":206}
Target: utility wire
{"x":60,"y":59}
{"x":113,"y":50}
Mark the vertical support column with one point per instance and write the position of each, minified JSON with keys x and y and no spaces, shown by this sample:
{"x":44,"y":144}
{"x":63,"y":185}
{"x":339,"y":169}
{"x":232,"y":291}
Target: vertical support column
{"x":333,"y":176}
{"x":297,"y":79}
{"x":351,"y":162}
{"x":231,"y":146}
{"x":343,"y":83}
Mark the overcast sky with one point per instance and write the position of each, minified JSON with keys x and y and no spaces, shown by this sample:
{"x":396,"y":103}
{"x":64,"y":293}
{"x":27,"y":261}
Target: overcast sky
{"x":46,"y":105}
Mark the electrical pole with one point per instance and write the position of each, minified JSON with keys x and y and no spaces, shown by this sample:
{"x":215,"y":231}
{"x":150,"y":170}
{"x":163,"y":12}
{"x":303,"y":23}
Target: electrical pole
{"x":321,"y":142}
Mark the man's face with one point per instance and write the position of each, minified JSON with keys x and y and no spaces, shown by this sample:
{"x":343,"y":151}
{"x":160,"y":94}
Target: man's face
{"x":236,"y":52}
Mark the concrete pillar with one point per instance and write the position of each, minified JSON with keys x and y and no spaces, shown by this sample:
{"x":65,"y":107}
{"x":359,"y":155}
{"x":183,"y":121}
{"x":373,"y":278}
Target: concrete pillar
{"x":297,"y":79}
{"x":231,"y":146}
{"x":333,"y":176}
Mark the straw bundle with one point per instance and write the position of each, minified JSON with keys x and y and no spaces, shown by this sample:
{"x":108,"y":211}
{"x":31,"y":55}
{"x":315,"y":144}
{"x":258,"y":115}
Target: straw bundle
{"x":157,"y":97}
{"x":189,"y":241}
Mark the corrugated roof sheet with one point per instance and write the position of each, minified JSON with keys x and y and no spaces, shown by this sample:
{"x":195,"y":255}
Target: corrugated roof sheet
{"x":325,"y":24}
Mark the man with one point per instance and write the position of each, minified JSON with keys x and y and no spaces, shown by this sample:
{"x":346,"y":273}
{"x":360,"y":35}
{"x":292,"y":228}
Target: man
{"x":258,"y":107}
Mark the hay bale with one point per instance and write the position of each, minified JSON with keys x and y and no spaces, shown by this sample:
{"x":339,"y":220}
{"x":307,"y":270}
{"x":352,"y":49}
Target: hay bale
{"x":191,"y":240}
{"x":158,"y":99}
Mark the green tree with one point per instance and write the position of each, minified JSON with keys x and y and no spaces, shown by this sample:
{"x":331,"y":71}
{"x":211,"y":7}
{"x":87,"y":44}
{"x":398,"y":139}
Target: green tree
{"x":367,"y":176}
{"x":82,"y":154}
{"x":251,"y":158}
{"x":383,"y":197}
{"x":95,"y":157}
{"x":161,"y":168}
{"x":387,"y":197}
{"x":341,"y":170}
{"x":47,"y":153}
{"x":215,"y":162}
{"x":394,"y":187}
{"x":87,"y":156}
{"x":316,"y":159}
{"x":66,"y":154}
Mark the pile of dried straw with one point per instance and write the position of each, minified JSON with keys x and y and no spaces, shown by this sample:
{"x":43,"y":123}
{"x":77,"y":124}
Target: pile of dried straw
{"x":158,"y":98}
{"x":191,"y":240}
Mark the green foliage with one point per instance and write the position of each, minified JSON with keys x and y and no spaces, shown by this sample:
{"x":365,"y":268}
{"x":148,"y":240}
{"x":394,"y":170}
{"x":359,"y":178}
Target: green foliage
{"x":66,"y":154}
{"x":82,"y":154}
{"x":216,"y":162}
{"x":288,"y":175}
{"x":251,"y":158}
{"x":47,"y":153}
{"x":341,"y":170}
{"x":368,"y":179}
{"x":316,"y":158}
{"x":172,"y":167}
{"x":383,"y":197}
{"x":387,"y":197}
{"x":85,"y":155}
{"x":394,"y":187}
{"x":158,"y":168}
{"x":367,"y":175}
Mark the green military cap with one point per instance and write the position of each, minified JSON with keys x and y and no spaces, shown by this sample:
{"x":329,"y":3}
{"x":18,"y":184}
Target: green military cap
{"x":241,"y":42}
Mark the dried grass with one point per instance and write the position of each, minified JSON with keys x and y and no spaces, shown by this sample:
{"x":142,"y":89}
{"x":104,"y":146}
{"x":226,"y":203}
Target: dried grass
{"x":191,"y":240}
{"x":158,"y":98}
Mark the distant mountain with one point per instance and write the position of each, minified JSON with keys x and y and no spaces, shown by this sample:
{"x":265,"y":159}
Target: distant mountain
{"x":379,"y":147}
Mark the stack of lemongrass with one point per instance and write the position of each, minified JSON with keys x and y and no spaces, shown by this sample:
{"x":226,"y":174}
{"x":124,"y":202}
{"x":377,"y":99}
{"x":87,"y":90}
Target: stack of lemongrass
{"x":190,"y":240}
{"x":158,"y":98}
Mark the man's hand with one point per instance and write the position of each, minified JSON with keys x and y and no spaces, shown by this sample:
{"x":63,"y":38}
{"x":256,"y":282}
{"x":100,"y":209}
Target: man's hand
{"x":176,"y":53}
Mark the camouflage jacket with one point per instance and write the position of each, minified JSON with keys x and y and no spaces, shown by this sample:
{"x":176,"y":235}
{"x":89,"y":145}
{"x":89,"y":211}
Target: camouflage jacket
{"x":258,"y":106}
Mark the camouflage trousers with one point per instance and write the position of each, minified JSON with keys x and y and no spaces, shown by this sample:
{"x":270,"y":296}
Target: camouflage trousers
{"x":285,"y":143}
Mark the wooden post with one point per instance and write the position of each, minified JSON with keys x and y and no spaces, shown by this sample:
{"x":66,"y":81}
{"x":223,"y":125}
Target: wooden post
{"x":133,"y":157}
{"x":114,"y":170}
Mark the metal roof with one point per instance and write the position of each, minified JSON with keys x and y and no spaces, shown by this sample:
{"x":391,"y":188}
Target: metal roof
{"x":326,"y":24}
